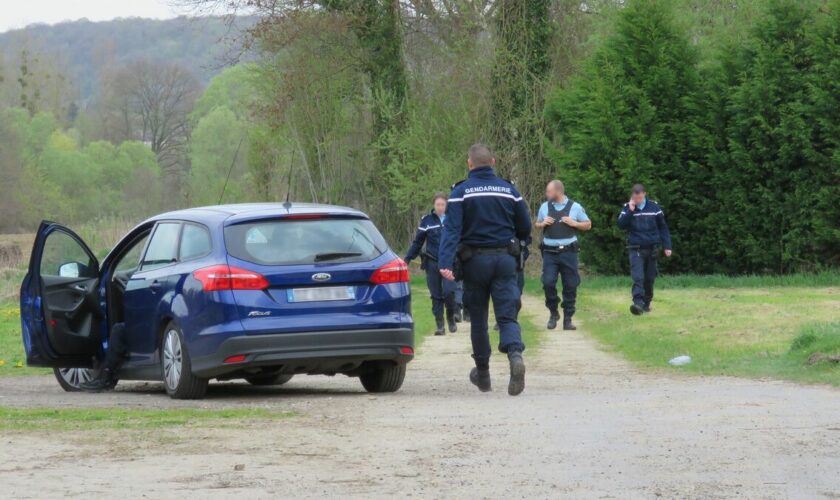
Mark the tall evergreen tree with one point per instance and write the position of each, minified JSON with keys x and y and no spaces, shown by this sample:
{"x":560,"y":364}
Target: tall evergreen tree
{"x":631,"y":117}
{"x":766,"y":190}
{"x":823,"y":246}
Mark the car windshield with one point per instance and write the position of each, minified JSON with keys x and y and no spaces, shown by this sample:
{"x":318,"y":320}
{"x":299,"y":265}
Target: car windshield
{"x":287,"y":242}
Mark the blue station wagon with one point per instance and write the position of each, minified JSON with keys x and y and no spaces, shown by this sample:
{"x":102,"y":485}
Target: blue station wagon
{"x":255,"y":291}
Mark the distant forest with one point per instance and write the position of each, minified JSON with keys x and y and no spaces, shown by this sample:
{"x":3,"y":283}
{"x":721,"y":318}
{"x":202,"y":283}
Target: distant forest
{"x":729,"y":111}
{"x":81,"y":51}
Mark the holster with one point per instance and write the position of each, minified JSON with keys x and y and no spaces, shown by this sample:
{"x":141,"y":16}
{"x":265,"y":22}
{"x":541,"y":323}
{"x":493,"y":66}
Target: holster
{"x":423,"y":261}
{"x":463,"y":254}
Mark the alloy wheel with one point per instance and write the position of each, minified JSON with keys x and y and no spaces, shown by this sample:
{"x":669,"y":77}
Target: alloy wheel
{"x":76,"y":376}
{"x":172,"y":359}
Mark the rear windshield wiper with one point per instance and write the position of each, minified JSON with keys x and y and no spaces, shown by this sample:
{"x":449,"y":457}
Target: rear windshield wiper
{"x":335,"y":255}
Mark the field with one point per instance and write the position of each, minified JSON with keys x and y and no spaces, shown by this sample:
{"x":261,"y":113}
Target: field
{"x":776,"y":327}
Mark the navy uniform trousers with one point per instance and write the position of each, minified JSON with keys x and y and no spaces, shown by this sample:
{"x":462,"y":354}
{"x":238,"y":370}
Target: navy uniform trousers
{"x":492,"y":276}
{"x":643,"y":270}
{"x":442,"y":290}
{"x":565,"y":266}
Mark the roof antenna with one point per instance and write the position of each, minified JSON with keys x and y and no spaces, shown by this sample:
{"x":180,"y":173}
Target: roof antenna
{"x":288,"y":204}
{"x":230,"y":169}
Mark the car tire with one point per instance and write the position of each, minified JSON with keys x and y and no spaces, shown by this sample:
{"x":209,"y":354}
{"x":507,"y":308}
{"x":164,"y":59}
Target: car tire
{"x":176,"y":369}
{"x":383,"y":377}
{"x":271,"y":379}
{"x":70,"y":378}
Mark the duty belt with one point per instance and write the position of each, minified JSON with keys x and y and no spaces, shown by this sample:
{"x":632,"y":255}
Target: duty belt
{"x":490,"y":250}
{"x":571,"y":247}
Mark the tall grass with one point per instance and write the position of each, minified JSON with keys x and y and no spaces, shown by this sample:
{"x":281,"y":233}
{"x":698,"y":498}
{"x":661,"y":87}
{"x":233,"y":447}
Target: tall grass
{"x":100,"y":235}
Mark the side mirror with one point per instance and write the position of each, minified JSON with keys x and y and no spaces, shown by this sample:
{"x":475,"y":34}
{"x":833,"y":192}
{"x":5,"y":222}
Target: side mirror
{"x":70,"y":270}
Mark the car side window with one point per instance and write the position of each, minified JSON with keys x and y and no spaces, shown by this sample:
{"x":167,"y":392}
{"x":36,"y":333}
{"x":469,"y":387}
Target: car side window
{"x":64,"y":256}
{"x":163,"y":247}
{"x":195,"y":242}
{"x":130,"y":260}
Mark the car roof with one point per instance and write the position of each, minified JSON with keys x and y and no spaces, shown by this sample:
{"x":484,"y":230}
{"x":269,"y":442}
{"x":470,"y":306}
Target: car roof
{"x":244,"y":211}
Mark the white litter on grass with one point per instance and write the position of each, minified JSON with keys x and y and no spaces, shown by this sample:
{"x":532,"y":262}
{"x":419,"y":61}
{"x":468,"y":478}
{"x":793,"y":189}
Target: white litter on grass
{"x":680,"y":361}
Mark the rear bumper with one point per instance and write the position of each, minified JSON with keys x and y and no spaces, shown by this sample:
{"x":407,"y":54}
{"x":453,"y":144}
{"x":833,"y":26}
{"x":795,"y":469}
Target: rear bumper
{"x":327,"y":352}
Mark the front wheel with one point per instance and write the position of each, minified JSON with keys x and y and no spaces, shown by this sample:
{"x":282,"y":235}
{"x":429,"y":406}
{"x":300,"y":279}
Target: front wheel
{"x":178,"y":377}
{"x":383,"y":378}
{"x":71,"y":378}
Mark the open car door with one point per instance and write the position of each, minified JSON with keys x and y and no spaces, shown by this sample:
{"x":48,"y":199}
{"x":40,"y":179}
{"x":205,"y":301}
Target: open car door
{"x":59,"y":300}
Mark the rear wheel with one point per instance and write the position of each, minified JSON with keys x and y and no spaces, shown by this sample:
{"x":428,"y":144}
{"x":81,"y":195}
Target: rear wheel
{"x":383,"y":377}
{"x":178,"y":377}
{"x":70,"y":378}
{"x":270,"y":379}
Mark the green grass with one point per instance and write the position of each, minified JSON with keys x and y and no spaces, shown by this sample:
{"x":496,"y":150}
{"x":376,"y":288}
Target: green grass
{"x":12,"y":357}
{"x":121,"y":418}
{"x":596,"y":282}
{"x":734,"y":330}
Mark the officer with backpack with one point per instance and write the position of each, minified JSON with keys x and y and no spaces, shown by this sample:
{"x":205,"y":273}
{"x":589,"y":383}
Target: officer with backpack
{"x":560,"y":219}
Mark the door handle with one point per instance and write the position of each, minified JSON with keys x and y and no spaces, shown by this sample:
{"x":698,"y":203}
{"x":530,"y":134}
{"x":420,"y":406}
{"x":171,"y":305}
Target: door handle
{"x":155,"y":286}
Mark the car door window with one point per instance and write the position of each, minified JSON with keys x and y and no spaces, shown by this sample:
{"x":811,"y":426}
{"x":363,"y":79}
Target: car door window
{"x":195,"y":242}
{"x":163,"y":247}
{"x":64,"y":256}
{"x":130,"y":260}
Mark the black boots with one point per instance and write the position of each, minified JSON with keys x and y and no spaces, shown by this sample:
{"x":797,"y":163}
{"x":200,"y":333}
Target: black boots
{"x":457,"y":316}
{"x":567,"y":323}
{"x":451,"y":323}
{"x":637,"y":310}
{"x":517,"y":373}
{"x":552,"y":321}
{"x":106,"y":381}
{"x":481,"y":379}
{"x":439,"y":330}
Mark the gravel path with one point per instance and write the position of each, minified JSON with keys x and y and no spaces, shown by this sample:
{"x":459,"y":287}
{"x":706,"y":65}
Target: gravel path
{"x":588,"y":426}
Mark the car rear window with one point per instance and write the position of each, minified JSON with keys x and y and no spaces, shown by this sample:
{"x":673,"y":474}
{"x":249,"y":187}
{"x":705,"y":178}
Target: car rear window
{"x":288,"y":242}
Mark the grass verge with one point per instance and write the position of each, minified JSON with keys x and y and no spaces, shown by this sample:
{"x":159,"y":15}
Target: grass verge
{"x":119,"y":418}
{"x":12,"y":357}
{"x":739,"y":330}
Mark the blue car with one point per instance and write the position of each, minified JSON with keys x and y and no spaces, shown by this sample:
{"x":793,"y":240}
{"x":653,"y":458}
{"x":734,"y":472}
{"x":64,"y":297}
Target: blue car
{"x":255,"y":291}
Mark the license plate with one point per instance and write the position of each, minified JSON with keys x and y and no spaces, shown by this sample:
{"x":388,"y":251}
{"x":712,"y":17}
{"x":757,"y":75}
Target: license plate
{"x":319,"y":294}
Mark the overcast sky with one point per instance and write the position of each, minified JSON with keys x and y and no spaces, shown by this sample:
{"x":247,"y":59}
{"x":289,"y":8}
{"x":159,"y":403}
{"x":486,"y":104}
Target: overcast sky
{"x":17,"y":14}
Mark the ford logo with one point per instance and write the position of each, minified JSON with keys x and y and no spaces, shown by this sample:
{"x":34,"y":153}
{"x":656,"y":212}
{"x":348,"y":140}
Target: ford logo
{"x":321,"y":277}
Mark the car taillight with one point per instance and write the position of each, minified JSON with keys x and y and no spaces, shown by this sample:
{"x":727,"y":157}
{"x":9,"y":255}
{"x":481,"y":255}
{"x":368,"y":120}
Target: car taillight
{"x":395,"y":271}
{"x":224,"y":277}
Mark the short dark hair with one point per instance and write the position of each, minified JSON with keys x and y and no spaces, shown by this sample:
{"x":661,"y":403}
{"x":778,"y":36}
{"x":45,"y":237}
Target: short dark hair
{"x":638,"y":188}
{"x":440,"y":195}
{"x":480,"y":155}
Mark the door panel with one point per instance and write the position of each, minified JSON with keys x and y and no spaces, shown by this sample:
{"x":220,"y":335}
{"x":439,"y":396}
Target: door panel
{"x":59,"y":300}
{"x":147,"y":289}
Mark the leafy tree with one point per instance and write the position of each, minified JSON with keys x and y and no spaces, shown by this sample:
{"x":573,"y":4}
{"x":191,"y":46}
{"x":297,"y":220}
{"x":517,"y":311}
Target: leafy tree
{"x":218,"y":159}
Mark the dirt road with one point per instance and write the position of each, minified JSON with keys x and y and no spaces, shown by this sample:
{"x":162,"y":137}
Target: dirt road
{"x":587,"y":426}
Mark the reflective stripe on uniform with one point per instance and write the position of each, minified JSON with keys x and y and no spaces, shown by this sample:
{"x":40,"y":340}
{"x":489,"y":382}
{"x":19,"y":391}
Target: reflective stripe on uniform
{"x":472,"y":195}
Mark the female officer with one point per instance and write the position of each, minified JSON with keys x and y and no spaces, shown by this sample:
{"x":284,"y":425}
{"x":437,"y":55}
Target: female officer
{"x":441,"y":290}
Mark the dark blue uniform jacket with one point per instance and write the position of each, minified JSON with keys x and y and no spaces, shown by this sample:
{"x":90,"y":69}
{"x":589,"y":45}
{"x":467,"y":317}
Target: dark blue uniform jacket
{"x":428,"y":232}
{"x":645,"y":226}
{"x":483,"y":211}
